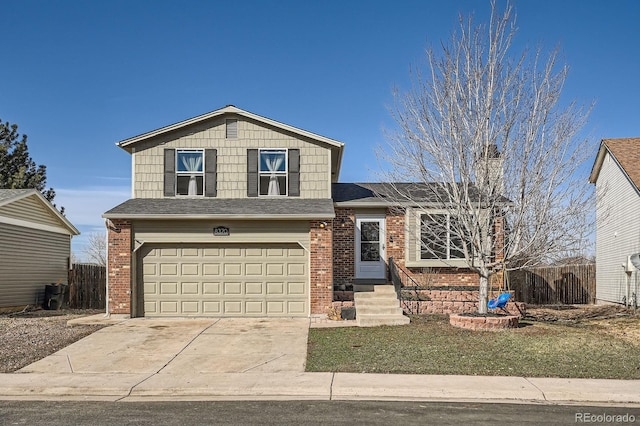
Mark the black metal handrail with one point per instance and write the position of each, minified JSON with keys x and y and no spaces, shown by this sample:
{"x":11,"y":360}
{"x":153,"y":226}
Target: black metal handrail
{"x":402,"y":280}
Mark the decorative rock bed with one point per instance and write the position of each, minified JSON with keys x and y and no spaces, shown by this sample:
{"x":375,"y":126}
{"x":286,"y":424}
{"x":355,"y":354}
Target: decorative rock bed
{"x":492,"y":323}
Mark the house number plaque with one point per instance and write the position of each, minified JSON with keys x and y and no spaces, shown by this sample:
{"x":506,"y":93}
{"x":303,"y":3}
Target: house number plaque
{"x":221,"y":231}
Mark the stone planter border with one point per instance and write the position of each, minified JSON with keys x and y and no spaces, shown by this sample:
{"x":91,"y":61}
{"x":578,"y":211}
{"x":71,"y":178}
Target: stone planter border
{"x":484,"y":323}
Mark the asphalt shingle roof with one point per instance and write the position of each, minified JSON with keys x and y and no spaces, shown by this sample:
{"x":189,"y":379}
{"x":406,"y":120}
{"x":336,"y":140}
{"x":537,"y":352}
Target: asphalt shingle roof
{"x":215,"y":207}
{"x":627,"y":152}
{"x":389,"y":193}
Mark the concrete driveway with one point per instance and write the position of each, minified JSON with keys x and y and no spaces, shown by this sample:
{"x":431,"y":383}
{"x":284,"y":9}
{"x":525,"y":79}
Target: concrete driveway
{"x":186,"y":347}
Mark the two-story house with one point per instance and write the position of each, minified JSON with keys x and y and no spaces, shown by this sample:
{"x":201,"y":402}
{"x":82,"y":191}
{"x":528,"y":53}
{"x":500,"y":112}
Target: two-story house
{"x":235,"y":214}
{"x":616,"y":175}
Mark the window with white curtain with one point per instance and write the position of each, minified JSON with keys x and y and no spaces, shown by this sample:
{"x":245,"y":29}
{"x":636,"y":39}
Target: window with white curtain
{"x":272,"y":172}
{"x":190,"y":172}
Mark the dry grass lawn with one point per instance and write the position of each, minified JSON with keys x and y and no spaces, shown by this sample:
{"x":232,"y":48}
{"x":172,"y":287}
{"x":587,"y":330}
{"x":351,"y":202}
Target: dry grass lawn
{"x":587,"y":342}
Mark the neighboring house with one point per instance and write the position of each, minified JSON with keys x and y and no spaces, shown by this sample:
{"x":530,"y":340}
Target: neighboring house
{"x":35,"y":247}
{"x":616,"y":174}
{"x":234,"y":214}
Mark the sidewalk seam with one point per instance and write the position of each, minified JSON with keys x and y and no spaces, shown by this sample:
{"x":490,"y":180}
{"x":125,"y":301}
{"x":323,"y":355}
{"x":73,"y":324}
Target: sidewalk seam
{"x":69,"y":362}
{"x":544,"y":397}
{"x":333,"y":376}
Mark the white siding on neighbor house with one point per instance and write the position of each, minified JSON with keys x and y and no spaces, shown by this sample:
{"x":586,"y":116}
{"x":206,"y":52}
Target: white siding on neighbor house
{"x":29,"y":259}
{"x":315,"y":159}
{"x":32,"y":210}
{"x":617,"y":234}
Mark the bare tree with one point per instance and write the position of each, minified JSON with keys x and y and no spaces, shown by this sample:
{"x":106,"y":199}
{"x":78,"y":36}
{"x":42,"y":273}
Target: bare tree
{"x":96,"y":249}
{"x":496,"y":152}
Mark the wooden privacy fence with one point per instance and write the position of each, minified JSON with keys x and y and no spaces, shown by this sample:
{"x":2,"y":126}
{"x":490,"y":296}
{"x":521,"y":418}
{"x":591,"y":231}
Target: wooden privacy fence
{"x":570,"y":284}
{"x":87,"y":286}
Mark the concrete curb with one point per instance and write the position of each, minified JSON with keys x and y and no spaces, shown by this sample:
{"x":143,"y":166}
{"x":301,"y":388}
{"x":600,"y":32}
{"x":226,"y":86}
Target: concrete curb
{"x":68,"y":385}
{"x":317,"y":386}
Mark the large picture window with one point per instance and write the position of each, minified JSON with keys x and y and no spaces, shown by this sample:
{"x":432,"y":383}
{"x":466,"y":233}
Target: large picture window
{"x":190,"y":172}
{"x":439,"y":238}
{"x":272,"y":172}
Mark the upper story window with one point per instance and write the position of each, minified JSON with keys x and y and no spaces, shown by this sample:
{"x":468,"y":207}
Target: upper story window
{"x":438,"y":237}
{"x":272,"y":172}
{"x":190,"y":172}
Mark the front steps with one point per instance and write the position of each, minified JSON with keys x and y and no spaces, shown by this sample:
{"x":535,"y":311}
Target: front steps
{"x":378,"y":307}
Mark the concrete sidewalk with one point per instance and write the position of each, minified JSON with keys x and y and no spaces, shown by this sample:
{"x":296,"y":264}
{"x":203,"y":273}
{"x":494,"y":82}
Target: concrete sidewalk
{"x":316,"y":386}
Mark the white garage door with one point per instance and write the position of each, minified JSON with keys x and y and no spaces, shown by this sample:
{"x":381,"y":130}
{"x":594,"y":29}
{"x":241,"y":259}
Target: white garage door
{"x":225,"y":280}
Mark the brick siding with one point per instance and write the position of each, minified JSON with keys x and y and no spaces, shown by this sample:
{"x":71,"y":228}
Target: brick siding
{"x":119,"y":268}
{"x":343,"y":248}
{"x":344,"y":256}
{"x":321,"y":268}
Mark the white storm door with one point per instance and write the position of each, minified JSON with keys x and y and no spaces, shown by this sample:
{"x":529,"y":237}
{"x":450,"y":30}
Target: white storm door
{"x":370,"y":247}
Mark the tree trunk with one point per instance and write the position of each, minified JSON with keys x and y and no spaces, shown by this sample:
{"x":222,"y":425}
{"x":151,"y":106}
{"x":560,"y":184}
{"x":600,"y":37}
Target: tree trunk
{"x":484,"y":294}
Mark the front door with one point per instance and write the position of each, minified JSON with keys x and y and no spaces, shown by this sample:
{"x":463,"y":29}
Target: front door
{"x":370,"y":247}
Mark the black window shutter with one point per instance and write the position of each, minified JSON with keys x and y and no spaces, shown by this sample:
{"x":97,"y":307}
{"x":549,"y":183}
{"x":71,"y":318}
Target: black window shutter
{"x":169,"y":172}
{"x":252,"y":173}
{"x":210,"y":172}
{"x":294,"y":172}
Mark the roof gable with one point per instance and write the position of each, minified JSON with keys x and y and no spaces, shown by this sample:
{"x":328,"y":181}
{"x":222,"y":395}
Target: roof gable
{"x":42,"y":214}
{"x":335,"y":146}
{"x":626,"y":153}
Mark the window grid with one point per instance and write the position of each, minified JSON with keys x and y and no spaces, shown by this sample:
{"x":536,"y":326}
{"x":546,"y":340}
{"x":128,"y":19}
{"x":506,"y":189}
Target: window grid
{"x":189,"y":172}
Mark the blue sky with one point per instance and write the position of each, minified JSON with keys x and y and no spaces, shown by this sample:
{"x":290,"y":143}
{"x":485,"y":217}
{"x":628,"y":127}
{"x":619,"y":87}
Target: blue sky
{"x":79,"y":76}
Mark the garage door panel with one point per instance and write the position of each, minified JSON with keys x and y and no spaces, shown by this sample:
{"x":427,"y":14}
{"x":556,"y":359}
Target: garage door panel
{"x":150,"y":308}
{"x":211,"y":288}
{"x":275,"y":269}
{"x":296,"y":269}
{"x":190,"y":269}
{"x":232,"y":269}
{"x":231,"y":252}
{"x":253,"y":269}
{"x":150,"y":288}
{"x":232,"y":307}
{"x":168,"y":288}
{"x":169,"y":252}
{"x":211,"y":269}
{"x":168,"y":269}
{"x":296,"y":308}
{"x":275,"y":252}
{"x":248,"y":280}
{"x":190,"y":252}
{"x":254,"y":308}
{"x":296,"y":288}
{"x":190,"y":307}
{"x":296,"y":252}
{"x":276,"y":307}
{"x":275,"y":289}
{"x":254,"y":289}
{"x":211,"y":252}
{"x":189,"y":288}
{"x":232,"y":288}
{"x":212,"y":307}
{"x":253,"y":252}
{"x":168,"y":307}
